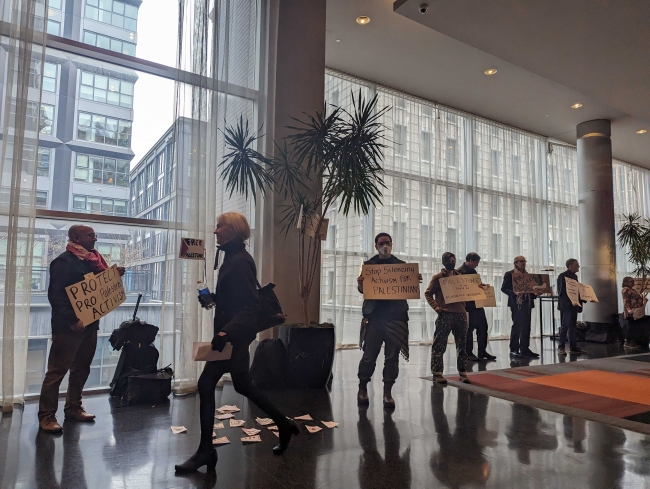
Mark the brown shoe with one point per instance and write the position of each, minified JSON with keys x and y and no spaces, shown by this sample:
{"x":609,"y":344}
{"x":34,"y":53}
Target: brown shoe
{"x":49,"y":425}
{"x":80,"y":415}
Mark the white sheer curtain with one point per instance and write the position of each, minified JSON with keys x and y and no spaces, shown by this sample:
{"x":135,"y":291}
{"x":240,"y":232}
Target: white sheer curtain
{"x":218,"y":40}
{"x":21,"y":124}
{"x":456,"y":183}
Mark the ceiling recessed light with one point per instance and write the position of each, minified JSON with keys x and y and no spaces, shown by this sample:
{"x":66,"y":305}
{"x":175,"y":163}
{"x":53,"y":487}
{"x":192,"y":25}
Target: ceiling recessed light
{"x":338,"y":40}
{"x":576,"y":106}
{"x":642,"y":131}
{"x":491,"y":71}
{"x":363,"y":20}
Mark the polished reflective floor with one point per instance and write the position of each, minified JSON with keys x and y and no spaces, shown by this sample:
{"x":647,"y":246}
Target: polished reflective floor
{"x":436,"y":437}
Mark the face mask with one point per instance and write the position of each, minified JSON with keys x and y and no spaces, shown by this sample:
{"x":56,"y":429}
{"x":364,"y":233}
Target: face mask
{"x":385,"y":250}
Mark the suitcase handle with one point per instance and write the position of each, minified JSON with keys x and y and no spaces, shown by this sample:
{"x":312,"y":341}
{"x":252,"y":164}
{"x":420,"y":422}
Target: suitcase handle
{"x":137,"y":305}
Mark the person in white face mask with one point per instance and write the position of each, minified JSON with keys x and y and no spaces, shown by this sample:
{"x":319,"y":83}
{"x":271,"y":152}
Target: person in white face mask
{"x":384,"y":322}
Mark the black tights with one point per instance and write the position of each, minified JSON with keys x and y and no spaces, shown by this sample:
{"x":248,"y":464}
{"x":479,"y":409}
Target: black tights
{"x":241,"y":381}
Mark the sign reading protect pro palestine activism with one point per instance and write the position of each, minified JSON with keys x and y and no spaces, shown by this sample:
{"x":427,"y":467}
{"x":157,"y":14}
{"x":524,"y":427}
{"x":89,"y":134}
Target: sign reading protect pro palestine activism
{"x":96,"y":295}
{"x":390,"y":282}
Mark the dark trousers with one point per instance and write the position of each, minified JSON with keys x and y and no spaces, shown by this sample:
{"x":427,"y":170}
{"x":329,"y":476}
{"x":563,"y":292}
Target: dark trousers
{"x":568,"y":320}
{"x":448,"y":322}
{"x":241,"y":381}
{"x":375,"y":337}
{"x":478,"y":323}
{"x":520,"y":333}
{"x":73,"y":352}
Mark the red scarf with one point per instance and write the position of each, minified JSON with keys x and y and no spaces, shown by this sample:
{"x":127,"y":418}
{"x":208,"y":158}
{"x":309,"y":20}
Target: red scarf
{"x":93,"y":257}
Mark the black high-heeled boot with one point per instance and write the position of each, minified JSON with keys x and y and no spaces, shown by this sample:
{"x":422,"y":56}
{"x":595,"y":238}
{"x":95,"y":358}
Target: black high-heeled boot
{"x":291,"y":428}
{"x":198,"y":460}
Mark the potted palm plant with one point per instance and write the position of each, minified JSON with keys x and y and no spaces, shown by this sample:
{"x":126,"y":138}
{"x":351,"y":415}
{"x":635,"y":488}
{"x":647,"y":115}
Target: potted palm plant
{"x":331,"y":158}
{"x":634,"y":237}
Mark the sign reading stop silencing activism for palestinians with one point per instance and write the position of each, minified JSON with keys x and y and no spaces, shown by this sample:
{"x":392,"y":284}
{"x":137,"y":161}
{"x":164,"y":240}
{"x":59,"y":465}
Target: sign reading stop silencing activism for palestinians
{"x":461,"y":288}
{"x":96,"y":295}
{"x":390,"y":282}
{"x":192,"y":249}
{"x":531,"y":282}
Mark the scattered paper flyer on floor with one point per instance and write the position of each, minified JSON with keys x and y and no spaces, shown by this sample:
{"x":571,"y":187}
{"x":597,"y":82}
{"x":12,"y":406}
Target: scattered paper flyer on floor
{"x":236,"y":423}
{"x":178,"y":429}
{"x":224,"y":416}
{"x":273,"y":428}
{"x":304,"y":417}
{"x":221,"y":441}
{"x":313,"y":429}
{"x":218,"y":426}
{"x":330,"y":424}
{"x":251,"y":439}
{"x":264,"y":421}
{"x":228,"y":409}
{"x":276,"y":433}
{"x":251,"y":431}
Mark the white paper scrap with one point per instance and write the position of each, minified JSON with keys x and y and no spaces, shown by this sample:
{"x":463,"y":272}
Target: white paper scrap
{"x":221,"y":441}
{"x":236,"y":423}
{"x":251,"y":439}
{"x":224,"y":416}
{"x":228,"y":409}
{"x":251,"y":431}
{"x":273,"y":428}
{"x":178,"y":429}
{"x":218,"y":426}
{"x":313,"y":429}
{"x":305,"y":417}
{"x":276,"y":433}
{"x":330,"y":424}
{"x":264,"y":421}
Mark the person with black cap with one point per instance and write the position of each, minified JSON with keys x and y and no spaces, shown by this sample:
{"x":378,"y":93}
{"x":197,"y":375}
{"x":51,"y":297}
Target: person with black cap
{"x":521,"y":305}
{"x":384,"y":322}
{"x":451,"y":318}
{"x":477,"y":319}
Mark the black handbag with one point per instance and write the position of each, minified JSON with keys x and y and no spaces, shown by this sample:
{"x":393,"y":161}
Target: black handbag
{"x":271,"y":314}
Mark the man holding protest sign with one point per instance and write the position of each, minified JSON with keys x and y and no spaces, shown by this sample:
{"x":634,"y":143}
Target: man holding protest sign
{"x":73,"y":345}
{"x":568,"y":310}
{"x":521,"y":305}
{"x":477,"y":319}
{"x":451,"y":318}
{"x":384,"y":322}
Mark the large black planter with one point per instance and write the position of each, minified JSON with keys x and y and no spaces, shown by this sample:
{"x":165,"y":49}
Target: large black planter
{"x":311,"y":354}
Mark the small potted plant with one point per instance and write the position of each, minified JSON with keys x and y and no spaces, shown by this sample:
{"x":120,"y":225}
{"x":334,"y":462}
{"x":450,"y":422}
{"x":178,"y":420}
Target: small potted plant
{"x":340,"y":153}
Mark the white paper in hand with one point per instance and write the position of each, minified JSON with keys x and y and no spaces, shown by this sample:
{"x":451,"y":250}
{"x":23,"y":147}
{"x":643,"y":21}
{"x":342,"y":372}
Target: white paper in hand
{"x":236,"y":423}
{"x":251,"y":431}
{"x":305,"y":417}
{"x":202,"y":352}
{"x":313,"y":429}
{"x":264,"y":421}
{"x":251,"y":439}
{"x":330,"y":424}
{"x":220,"y":441}
{"x":178,"y":429}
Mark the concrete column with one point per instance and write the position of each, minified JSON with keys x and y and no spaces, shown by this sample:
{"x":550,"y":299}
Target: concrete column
{"x":296,"y":85}
{"x":597,"y":229}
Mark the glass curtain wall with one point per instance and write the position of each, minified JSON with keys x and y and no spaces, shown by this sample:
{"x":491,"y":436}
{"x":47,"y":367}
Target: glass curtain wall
{"x":455,"y":182}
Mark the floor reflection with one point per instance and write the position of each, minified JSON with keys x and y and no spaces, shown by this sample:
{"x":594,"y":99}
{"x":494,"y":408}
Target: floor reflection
{"x":526,"y":433}
{"x":392,"y":470}
{"x":72,"y":467}
{"x":460,"y":460}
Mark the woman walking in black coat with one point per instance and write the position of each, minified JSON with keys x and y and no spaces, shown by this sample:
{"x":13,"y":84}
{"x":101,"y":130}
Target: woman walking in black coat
{"x":235,"y":321}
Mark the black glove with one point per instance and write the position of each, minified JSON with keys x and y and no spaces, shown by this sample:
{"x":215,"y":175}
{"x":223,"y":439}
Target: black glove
{"x":219,"y":342}
{"x":206,"y":300}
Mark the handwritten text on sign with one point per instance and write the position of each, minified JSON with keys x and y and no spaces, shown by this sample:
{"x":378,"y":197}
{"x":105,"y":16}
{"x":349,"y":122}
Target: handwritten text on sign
{"x":395,"y":281}
{"x":531,"y":283}
{"x":490,"y":301}
{"x":96,"y":295}
{"x":192,"y":249}
{"x":461,"y":288}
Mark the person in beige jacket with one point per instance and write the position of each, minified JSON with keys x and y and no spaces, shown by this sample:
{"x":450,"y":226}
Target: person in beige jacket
{"x":451,"y":318}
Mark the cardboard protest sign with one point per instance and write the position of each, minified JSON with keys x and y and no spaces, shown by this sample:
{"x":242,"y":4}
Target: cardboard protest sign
{"x":461,"y":288}
{"x":490,"y":298}
{"x":390,"y":282}
{"x":531,"y":283}
{"x":572,"y":290}
{"x":639,"y":285}
{"x":587,"y":293}
{"x":96,"y":295}
{"x":202,"y":352}
{"x":192,"y":249}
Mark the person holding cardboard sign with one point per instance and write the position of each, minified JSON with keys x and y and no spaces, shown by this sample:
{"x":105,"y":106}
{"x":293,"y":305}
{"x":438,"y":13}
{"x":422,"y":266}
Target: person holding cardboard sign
{"x":451,"y":318}
{"x":568,"y":310}
{"x":384,"y":322}
{"x":636,"y":327}
{"x":73,"y":345}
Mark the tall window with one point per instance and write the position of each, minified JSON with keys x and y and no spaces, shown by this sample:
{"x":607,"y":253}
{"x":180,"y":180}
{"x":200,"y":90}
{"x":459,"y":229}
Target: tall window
{"x":425,"y":145}
{"x":496,"y":206}
{"x":99,"y":169}
{"x":516,"y":168}
{"x":106,"y":90}
{"x":99,"y":205}
{"x":425,"y":239}
{"x":399,"y":237}
{"x":41,"y":199}
{"x":425,"y":193}
{"x":452,"y":240}
{"x":44,"y":161}
{"x":496,"y":163}
{"x":101,"y":129}
{"x":497,"y":241}
{"x":399,"y":138}
{"x":399,"y":191}
{"x":450,"y":153}
{"x":517,"y":209}
{"x":113,"y":13}
{"x":110,"y":43}
{"x":452,"y":199}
